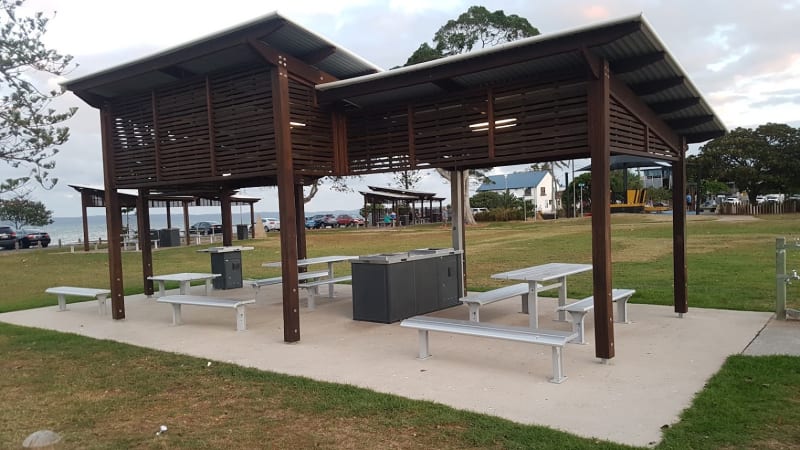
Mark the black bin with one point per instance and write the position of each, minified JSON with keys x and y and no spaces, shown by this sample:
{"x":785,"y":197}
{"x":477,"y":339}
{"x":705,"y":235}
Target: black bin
{"x":241,"y":232}
{"x":169,"y":237}
{"x":229,"y":266}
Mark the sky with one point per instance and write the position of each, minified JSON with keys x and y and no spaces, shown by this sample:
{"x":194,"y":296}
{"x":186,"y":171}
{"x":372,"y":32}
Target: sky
{"x":742,"y":55}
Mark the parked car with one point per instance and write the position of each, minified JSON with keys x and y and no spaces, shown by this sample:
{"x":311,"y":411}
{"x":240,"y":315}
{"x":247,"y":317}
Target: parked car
{"x":774,"y":198}
{"x":732,"y":201}
{"x":206,"y":228}
{"x":31,"y":236}
{"x":271,"y":224}
{"x":8,"y":238}
{"x":346,"y":220}
{"x":322,"y":221}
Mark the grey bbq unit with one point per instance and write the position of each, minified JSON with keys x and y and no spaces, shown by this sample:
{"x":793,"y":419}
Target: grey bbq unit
{"x":390,"y":287}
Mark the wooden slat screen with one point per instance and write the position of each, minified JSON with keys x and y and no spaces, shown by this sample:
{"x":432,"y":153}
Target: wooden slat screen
{"x":312,"y":136}
{"x":244,"y":132}
{"x":442,"y":133}
{"x":133,"y":141}
{"x":183,"y":132}
{"x":548,"y":119}
{"x":657,"y":145}
{"x":377,"y":141}
{"x":533,"y":119}
{"x":627,"y":131}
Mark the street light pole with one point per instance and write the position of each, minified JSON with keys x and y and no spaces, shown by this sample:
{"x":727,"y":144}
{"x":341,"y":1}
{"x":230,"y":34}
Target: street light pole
{"x":581,"y":186}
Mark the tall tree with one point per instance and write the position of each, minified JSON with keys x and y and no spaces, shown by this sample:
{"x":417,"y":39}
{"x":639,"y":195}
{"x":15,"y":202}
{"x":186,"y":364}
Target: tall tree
{"x":30,"y":129}
{"x":476,"y":28}
{"x":756,"y":160}
{"x":22,"y":211}
{"x":407,"y":179}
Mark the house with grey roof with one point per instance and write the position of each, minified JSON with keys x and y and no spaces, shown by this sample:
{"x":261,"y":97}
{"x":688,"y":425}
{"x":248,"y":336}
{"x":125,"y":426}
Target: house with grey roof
{"x":534,"y":185}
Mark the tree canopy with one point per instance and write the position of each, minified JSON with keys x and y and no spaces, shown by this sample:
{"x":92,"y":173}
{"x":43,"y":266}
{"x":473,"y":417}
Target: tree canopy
{"x":477,"y":27}
{"x":22,"y":211}
{"x":757,"y":161}
{"x":30,"y":129}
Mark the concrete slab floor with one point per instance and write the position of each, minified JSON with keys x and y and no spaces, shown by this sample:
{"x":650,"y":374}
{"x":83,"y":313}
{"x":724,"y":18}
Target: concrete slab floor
{"x":661,"y":360}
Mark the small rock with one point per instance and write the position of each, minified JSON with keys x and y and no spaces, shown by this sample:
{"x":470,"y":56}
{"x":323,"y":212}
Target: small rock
{"x":41,"y":438}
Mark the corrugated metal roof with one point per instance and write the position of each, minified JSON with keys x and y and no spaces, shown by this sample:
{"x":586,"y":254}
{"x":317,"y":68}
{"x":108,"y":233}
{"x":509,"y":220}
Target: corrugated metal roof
{"x":516,"y":180}
{"x":640,"y":40}
{"x":224,"y":49}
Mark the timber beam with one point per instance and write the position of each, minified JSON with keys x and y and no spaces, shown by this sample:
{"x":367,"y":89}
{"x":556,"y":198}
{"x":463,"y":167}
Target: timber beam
{"x":296,"y":67}
{"x":654,"y":87}
{"x":674,"y":105}
{"x":635,"y":63}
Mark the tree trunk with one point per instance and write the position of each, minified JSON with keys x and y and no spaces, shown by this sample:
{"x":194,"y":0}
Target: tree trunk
{"x":469,"y":219}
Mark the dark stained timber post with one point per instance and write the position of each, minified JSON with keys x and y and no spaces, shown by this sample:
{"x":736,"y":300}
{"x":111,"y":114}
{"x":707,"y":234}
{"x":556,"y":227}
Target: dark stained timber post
{"x":113,"y":220}
{"x":84,"y":206}
{"x":143,"y":219}
{"x":286,"y":202}
{"x":599,"y":147}
{"x":300,"y":213}
{"x":679,"y":234}
{"x":252,"y":221}
{"x":227,"y":218}
{"x":186,"y":223}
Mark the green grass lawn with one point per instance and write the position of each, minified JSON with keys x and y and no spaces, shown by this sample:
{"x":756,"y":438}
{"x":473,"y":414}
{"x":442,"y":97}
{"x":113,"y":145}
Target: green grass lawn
{"x":102,"y":394}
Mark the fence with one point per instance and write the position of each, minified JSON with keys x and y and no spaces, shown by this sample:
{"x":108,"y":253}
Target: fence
{"x":787,"y":207}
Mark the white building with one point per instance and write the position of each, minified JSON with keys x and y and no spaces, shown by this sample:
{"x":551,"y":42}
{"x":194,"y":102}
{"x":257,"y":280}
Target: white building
{"x":536,"y":186}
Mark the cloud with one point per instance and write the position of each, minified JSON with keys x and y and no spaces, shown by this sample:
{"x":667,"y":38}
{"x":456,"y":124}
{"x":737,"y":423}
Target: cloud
{"x":742,"y":55}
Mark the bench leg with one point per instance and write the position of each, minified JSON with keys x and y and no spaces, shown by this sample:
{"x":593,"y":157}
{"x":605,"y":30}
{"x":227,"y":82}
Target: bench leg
{"x":558,"y":366}
{"x":208,"y":286}
{"x":101,"y":304}
{"x":423,"y":345}
{"x":578,"y":319}
{"x":622,"y":310}
{"x":241,"y":319}
{"x":311,"y":294}
{"x":525,"y":303}
{"x":474,"y":316}
{"x":184,"y":289}
{"x":62,"y":302}
{"x":562,"y":299}
{"x":161,"y":288}
{"x":176,"y":314}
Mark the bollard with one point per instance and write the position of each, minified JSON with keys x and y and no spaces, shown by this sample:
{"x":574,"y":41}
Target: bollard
{"x":780,"y":278}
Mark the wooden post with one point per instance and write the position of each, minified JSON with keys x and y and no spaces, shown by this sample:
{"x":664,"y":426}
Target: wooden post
{"x":143,"y":219}
{"x":300,"y":208}
{"x":286,"y":201}
{"x":84,"y":206}
{"x":599,"y":147}
{"x":252,"y":221}
{"x":113,"y":219}
{"x":169,"y":216}
{"x":679,"y":233}
{"x":458,"y":234}
{"x":186,"y":223}
{"x":227,"y":218}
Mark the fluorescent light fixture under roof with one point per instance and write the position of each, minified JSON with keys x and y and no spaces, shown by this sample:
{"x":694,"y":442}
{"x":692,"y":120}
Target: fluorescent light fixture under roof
{"x":496,"y":123}
{"x":297,"y":124}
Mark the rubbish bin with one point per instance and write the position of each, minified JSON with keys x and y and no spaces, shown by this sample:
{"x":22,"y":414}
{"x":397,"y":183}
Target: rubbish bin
{"x":169,"y":237}
{"x":229,"y":265}
{"x":241,"y":232}
{"x":227,"y":262}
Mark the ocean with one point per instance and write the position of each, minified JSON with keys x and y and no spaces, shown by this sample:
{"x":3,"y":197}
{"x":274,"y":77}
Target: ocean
{"x":70,"y":229}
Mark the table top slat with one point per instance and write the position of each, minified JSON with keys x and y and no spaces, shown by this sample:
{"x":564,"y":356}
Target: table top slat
{"x":544,"y":272}
{"x":316,"y":260}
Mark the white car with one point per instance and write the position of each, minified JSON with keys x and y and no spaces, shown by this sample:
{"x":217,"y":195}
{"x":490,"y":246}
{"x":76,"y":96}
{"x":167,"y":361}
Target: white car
{"x":733,"y":201}
{"x":271,"y":224}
